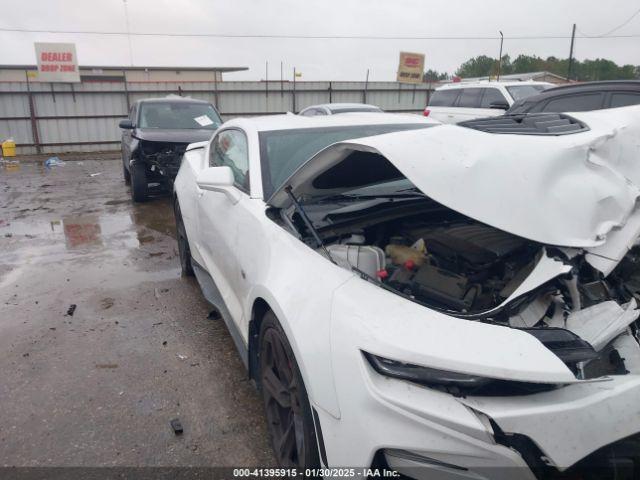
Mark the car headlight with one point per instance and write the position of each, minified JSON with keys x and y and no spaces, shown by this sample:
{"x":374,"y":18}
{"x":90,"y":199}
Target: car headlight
{"x":425,"y":375}
{"x":452,"y":382}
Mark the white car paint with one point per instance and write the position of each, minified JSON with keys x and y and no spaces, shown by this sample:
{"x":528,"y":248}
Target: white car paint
{"x":570,"y":190}
{"x":576,"y":191}
{"x":454,"y":113}
{"x":337,"y":108}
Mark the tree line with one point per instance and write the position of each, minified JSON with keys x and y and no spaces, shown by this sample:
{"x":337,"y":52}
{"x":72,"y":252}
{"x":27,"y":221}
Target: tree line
{"x":585,"y":70}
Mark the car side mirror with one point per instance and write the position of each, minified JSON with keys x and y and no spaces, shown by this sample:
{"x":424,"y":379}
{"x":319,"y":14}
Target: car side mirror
{"x":126,"y":124}
{"x":219,"y":179}
{"x":499,"y":105}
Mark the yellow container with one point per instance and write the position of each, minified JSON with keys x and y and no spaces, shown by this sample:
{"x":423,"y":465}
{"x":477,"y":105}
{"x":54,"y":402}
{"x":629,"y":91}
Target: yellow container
{"x":8,"y":148}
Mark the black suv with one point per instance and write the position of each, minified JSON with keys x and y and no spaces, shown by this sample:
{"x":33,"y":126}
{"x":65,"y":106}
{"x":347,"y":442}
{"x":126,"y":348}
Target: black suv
{"x":155,"y":136}
{"x":581,"y":97}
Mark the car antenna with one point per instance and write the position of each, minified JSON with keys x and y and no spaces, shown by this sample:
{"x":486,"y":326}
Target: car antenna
{"x":308,"y":223}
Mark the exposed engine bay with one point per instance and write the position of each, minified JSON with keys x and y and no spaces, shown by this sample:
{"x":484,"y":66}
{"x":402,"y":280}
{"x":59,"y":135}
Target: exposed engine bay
{"x":162,"y":159}
{"x":467,"y":269}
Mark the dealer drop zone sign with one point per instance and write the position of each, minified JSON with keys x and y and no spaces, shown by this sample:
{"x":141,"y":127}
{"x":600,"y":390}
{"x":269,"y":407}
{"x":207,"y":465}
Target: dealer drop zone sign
{"x":57,"y":62}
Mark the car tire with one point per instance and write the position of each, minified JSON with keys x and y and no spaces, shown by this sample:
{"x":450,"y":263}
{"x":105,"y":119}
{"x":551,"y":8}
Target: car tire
{"x":125,"y":173}
{"x":139,"y":184}
{"x":184,"y":251}
{"x":287,"y":408}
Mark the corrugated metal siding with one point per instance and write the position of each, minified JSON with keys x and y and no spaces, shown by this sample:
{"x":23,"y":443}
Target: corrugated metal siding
{"x":95,"y":99}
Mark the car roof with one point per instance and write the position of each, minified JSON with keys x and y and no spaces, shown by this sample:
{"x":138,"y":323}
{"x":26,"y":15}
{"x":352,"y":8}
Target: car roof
{"x":609,"y":85}
{"x":593,"y":86}
{"x":172,"y":99}
{"x":290,"y":121}
{"x":487,"y":83}
{"x":332,"y":106}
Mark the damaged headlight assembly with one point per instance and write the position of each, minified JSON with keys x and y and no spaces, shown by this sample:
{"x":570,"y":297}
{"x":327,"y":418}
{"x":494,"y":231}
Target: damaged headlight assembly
{"x":458,"y":384}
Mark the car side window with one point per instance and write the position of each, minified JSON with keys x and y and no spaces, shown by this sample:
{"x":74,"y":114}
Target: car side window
{"x":574,"y":103}
{"x":444,"y":98}
{"x":492,"y":95}
{"x":469,"y":98}
{"x":229,"y":148}
{"x":624,"y":99}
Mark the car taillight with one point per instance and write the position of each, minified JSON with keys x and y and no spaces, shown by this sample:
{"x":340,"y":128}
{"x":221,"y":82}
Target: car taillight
{"x":426,"y":112}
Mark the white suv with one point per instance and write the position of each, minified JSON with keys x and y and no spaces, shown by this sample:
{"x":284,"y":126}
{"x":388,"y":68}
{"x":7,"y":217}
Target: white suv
{"x":457,"y":102}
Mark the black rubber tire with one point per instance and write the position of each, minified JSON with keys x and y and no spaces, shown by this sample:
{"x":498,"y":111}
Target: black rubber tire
{"x":139,"y":184}
{"x":184,"y":251}
{"x":125,"y":173}
{"x":285,"y":399}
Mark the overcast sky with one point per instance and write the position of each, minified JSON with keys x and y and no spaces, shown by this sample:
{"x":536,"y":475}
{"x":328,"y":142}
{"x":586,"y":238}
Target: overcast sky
{"x":317,"y":59}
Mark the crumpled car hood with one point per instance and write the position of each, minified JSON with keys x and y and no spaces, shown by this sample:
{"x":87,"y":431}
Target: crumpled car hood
{"x":173,"y":135}
{"x":567,"y":190}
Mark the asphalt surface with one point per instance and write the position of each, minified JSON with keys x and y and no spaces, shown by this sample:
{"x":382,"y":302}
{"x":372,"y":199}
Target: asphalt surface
{"x":100,"y":387}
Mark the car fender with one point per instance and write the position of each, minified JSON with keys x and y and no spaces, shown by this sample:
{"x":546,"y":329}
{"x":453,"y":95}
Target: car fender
{"x":304,"y":312}
{"x":134,"y":146}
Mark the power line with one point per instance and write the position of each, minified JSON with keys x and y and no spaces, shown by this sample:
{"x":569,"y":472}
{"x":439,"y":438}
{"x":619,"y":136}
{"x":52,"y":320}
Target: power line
{"x":312,"y":37}
{"x":615,"y":29}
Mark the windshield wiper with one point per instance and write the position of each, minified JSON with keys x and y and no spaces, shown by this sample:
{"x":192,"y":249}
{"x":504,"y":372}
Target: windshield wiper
{"x":307,"y":222}
{"x":356,"y":196}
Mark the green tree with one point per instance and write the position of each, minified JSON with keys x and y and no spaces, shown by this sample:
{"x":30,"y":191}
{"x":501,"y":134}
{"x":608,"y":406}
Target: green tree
{"x":480,"y":66}
{"x":586,"y":70}
{"x":434,"y":76}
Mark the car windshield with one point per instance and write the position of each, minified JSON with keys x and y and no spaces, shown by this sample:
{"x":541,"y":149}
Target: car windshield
{"x":283,"y":151}
{"x":178,"y":115}
{"x":523,"y":91}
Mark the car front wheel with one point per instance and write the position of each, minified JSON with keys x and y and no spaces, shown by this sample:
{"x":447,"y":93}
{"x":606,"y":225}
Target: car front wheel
{"x":139,"y":184}
{"x":285,"y":398}
{"x":183,"y":244}
{"x":125,"y":172}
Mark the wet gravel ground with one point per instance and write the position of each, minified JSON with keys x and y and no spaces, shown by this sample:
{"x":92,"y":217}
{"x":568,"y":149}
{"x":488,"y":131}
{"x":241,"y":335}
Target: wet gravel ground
{"x":99,"y":387}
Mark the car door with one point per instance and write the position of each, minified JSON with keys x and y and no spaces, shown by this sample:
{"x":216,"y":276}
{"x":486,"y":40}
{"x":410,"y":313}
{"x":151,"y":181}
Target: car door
{"x":127,"y":135}
{"x":219,"y":218}
{"x":491,"y":95}
{"x":441,"y":105}
{"x":468,"y":105}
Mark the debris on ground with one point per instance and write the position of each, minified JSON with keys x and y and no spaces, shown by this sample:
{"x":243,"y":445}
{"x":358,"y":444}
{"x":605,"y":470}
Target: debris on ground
{"x":177,"y":426}
{"x":164,"y":344}
{"x":71,"y":310}
{"x":214,"y":315}
{"x":53,"y":162}
{"x":95,"y":174}
{"x":181,"y":357}
{"x":107,"y":303}
{"x":107,"y":365}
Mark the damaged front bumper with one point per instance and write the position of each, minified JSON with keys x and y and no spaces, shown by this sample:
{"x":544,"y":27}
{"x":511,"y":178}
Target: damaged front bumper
{"x":428,"y":432}
{"x":583,"y":429}
{"x":161,"y":159}
{"x":569,"y":424}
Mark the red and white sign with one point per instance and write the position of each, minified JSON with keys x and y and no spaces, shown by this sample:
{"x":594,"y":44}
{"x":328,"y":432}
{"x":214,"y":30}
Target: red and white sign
{"x":411,"y":67}
{"x":57,"y":62}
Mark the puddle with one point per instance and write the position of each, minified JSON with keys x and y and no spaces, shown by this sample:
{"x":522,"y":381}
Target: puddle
{"x":82,"y":231}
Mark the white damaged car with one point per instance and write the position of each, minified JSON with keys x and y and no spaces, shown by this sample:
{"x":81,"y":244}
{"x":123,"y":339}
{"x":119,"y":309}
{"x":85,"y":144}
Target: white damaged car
{"x":448,"y":301}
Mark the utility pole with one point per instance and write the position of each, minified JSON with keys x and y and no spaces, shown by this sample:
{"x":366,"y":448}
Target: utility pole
{"x":266,"y":84}
{"x":573,"y":36}
{"x":294,"y":90}
{"x":366,"y":85}
{"x":500,"y":56}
